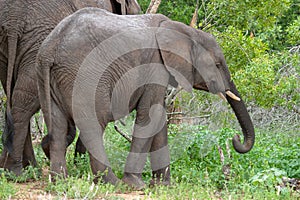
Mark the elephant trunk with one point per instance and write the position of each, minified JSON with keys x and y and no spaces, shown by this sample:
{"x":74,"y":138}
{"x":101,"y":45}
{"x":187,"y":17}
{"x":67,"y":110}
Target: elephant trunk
{"x":245,"y":122}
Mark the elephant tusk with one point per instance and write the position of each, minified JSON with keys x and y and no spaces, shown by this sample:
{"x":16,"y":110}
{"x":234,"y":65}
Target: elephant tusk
{"x":221,"y":95}
{"x":233,"y":96}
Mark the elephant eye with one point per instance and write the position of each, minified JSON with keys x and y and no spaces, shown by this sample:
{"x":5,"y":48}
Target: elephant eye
{"x":218,"y":65}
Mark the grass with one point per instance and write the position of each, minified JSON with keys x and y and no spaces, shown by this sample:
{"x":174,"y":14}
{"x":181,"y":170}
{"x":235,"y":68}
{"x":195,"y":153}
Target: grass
{"x":196,"y":168}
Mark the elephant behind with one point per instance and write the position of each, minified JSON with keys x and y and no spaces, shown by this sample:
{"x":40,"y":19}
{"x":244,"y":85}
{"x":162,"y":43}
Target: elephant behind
{"x":23,"y":27}
{"x":96,"y":67}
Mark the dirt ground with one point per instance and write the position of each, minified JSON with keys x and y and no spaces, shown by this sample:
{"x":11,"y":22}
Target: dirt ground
{"x":36,"y":190}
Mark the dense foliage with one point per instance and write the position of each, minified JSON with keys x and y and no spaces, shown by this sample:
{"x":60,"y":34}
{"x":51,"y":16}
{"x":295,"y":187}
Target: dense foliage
{"x":260,"y":39}
{"x":197,"y":169}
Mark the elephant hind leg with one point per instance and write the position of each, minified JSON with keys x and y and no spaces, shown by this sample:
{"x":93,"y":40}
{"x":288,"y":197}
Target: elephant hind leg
{"x":91,"y":135}
{"x":106,"y":173}
{"x":24,"y":104}
{"x":7,"y":136}
{"x":28,"y":153}
{"x":70,"y":138}
{"x":58,"y":141}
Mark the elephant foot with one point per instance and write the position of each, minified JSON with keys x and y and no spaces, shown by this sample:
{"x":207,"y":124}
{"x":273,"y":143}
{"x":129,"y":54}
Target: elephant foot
{"x":134,"y":180}
{"x":58,"y":170}
{"x":107,"y":176}
{"x":16,"y":166}
{"x":161,"y":177}
{"x":10,"y":164}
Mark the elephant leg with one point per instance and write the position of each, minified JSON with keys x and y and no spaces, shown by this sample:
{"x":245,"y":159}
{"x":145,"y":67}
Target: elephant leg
{"x":92,"y":138}
{"x":28,"y":153}
{"x":135,"y":162}
{"x":150,"y":121}
{"x":160,"y":159}
{"x":70,"y":138}
{"x":58,"y":141}
{"x":106,"y":173}
{"x":46,"y":145}
{"x":24,"y":104}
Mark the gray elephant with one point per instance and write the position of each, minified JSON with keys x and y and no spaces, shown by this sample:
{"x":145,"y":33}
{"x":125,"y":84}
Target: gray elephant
{"x":96,"y":67}
{"x":23,"y":27}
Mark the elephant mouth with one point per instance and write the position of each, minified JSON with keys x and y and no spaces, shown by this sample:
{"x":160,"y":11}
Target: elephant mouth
{"x":201,"y":86}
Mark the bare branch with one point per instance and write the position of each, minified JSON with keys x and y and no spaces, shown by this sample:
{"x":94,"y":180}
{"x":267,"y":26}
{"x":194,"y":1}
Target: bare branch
{"x":222,"y":158}
{"x":228,"y":148}
{"x":123,"y":134}
{"x":295,"y":49}
{"x":40,"y":128}
{"x":171,"y":96}
{"x":195,"y":117}
{"x":194,"y":20}
{"x":153,"y":6}
{"x":176,"y":113}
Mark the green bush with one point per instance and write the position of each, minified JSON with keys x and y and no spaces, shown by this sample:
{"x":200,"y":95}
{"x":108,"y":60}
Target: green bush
{"x":201,"y":159}
{"x":7,"y":189}
{"x":293,"y":32}
{"x":255,"y":37}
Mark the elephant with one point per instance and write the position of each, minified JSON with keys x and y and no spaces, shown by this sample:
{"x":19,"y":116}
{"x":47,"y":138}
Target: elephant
{"x":96,"y":67}
{"x":23,"y":27}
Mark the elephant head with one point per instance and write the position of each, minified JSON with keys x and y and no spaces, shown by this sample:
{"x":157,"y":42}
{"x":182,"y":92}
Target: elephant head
{"x":205,"y":69}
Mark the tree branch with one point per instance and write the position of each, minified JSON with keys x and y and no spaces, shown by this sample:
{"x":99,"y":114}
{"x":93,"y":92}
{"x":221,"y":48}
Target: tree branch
{"x":123,"y":134}
{"x":153,"y":6}
{"x":194,"y":20}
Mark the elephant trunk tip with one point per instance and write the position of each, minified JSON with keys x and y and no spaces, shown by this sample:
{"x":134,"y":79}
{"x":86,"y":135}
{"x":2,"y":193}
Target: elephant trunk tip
{"x":239,"y":147}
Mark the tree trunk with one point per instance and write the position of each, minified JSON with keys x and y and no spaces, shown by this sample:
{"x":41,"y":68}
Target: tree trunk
{"x":153,"y":6}
{"x":194,"y":20}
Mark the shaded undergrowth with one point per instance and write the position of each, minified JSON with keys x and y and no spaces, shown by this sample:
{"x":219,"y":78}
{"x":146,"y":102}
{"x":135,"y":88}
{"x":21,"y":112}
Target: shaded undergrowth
{"x":197,"y":170}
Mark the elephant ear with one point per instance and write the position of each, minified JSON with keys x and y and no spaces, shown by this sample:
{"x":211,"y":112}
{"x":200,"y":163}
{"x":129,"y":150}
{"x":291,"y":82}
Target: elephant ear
{"x":123,"y":6}
{"x":175,"y":47}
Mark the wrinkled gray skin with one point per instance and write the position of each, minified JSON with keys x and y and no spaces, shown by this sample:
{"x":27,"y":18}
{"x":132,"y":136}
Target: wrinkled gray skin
{"x":78,"y":60}
{"x":23,"y":27}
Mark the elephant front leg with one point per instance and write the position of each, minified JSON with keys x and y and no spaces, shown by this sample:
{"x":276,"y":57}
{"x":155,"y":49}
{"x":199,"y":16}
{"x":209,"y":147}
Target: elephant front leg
{"x":149,"y":123}
{"x":135,"y":163}
{"x":160,"y":159}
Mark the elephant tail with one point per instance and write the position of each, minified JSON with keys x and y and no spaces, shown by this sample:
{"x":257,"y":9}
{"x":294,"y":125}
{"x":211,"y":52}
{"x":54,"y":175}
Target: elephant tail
{"x":7,"y":136}
{"x":43,"y":66}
